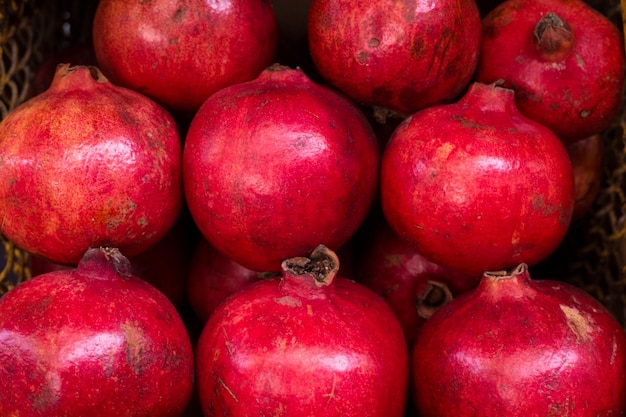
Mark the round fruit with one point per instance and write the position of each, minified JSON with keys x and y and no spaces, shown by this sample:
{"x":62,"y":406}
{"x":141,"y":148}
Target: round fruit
{"x":397,"y":55}
{"x":309,"y":343}
{"x":276,"y":166}
{"x":88,"y":164}
{"x":476,"y":186}
{"x":520,"y":347}
{"x":93,"y":341}
{"x":179,"y":53}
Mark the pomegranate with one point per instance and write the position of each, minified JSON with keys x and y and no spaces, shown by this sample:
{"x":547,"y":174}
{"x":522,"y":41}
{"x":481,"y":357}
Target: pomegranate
{"x":413,"y":286}
{"x":476,"y":186}
{"x":212,"y":277}
{"x":564,"y":60}
{"x":397,"y":55}
{"x":520,"y":347}
{"x":88,"y":164}
{"x":92,"y":341}
{"x":179,"y":53}
{"x":587,"y":156}
{"x":275,"y":166}
{"x":320,"y":345}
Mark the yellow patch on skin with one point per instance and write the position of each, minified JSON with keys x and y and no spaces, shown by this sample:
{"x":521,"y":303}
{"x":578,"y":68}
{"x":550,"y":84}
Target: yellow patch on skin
{"x":444,"y":151}
{"x":578,"y":323}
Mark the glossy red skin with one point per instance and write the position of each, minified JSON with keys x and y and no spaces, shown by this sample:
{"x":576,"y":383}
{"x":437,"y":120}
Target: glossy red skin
{"x":212,"y":278}
{"x":335,"y":350}
{"x":520,"y":347}
{"x":587,"y":156}
{"x":556,"y":94}
{"x":399,"y":55}
{"x":88,"y":164}
{"x":276,"y":166}
{"x":392,"y":268}
{"x":179,"y":53}
{"x":475,"y":186}
{"x":92,"y":342}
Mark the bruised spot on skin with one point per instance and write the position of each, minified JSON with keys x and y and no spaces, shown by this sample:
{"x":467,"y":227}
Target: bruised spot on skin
{"x":578,"y":323}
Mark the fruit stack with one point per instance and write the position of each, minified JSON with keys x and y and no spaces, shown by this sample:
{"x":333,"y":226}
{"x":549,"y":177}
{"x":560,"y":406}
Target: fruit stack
{"x":312,"y":208}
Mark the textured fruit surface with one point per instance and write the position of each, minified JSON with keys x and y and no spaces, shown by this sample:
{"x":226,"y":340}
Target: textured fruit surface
{"x":476,"y":186}
{"x":399,"y":55}
{"x":520,"y":347}
{"x":88,"y":164}
{"x":179,"y":53}
{"x":92,"y":341}
{"x":319,"y":345}
{"x":276,"y":166}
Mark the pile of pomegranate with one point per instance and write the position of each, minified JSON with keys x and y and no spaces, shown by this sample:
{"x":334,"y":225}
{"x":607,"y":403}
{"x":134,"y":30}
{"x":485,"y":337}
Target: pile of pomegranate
{"x":312,"y":208}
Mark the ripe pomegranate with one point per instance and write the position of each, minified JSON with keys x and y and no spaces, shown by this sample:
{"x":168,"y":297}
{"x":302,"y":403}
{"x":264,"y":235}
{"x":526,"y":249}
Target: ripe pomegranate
{"x":179,"y":53}
{"x":212,"y":277}
{"x":413,"y":286}
{"x":88,"y":164}
{"x":398,"y":55}
{"x":564,"y":60}
{"x":276,"y":166}
{"x":587,"y":156}
{"x":476,"y":186}
{"x":92,"y":341}
{"x":320,"y":345}
{"x":520,"y":347}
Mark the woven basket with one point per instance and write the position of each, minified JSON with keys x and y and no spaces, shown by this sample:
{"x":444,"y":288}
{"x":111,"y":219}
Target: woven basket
{"x":592,"y":256}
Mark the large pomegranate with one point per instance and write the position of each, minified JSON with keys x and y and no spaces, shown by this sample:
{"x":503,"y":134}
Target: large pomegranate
{"x":308,"y":344}
{"x":413,"y":286}
{"x":399,"y":55}
{"x":520,"y":347}
{"x":276,"y":166}
{"x":92,"y":341}
{"x":564,"y":60}
{"x":587,"y":156}
{"x":181,"y":52}
{"x":476,"y":186}
{"x":88,"y":164}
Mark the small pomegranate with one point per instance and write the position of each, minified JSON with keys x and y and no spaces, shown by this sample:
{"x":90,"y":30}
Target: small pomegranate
{"x":475,"y":186}
{"x":413,"y":286}
{"x":179,"y":53}
{"x":93,"y":341}
{"x":396,"y":55}
{"x":212,"y":277}
{"x":587,"y":156}
{"x":520,"y":347}
{"x":275,"y":166}
{"x":319,"y":345}
{"x":564,"y":60}
{"x":88,"y":164}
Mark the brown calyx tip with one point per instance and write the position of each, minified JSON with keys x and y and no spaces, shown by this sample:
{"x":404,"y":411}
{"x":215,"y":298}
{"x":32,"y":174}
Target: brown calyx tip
{"x":436,"y":296}
{"x":553,"y":36}
{"x":322,"y":264}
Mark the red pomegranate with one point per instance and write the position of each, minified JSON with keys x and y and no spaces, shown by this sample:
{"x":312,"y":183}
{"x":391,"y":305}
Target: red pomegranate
{"x":88,"y":164}
{"x":319,"y":345}
{"x":413,"y":286}
{"x":179,"y":53}
{"x":564,"y":60}
{"x":475,"y":186}
{"x":520,"y":347}
{"x":587,"y":156}
{"x":212,"y":277}
{"x":399,"y":55}
{"x":276,"y":166}
{"x":93,"y":341}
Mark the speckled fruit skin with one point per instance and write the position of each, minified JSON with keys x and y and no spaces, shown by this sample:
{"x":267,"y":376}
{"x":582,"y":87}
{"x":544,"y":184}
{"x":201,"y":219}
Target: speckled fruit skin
{"x":520,"y":347}
{"x":398,"y":55}
{"x":88,"y":164}
{"x":179,"y":53}
{"x":276,"y":166}
{"x":475,"y":186}
{"x":92,"y":341}
{"x":212,"y":278}
{"x":320,"y":345}
{"x":406,"y":280}
{"x":576,"y":89}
